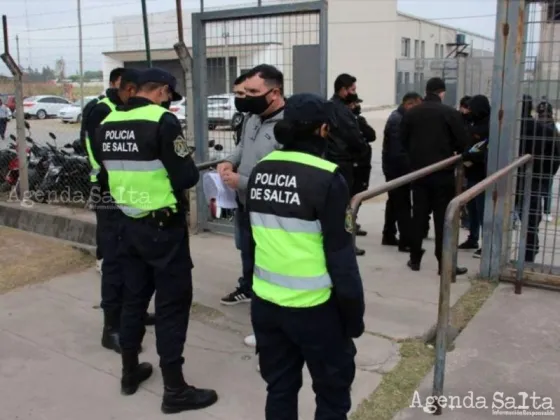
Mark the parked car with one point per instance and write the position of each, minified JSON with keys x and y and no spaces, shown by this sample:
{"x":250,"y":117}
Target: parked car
{"x":73,"y":113}
{"x":44,"y":106}
{"x":9,"y":101}
{"x":221,"y":111}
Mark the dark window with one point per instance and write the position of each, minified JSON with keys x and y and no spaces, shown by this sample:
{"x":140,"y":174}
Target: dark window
{"x":553,"y":10}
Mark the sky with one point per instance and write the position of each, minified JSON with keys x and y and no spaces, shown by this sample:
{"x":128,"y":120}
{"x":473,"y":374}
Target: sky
{"x":48,"y":30}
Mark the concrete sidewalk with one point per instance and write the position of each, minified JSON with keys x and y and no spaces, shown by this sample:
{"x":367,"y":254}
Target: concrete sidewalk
{"x":511,"y":346}
{"x":53,"y":367}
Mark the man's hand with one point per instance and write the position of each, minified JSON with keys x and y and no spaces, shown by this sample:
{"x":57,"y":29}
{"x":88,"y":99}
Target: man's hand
{"x":224,"y":167}
{"x":231,"y":179}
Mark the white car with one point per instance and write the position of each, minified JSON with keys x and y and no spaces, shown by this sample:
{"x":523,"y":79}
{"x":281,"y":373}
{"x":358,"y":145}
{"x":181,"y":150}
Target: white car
{"x":179,"y":108}
{"x":44,"y":106}
{"x":73,"y":113}
{"x":221,"y":111}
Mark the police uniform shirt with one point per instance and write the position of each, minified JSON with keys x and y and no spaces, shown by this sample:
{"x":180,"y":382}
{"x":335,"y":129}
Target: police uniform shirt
{"x":134,"y":143}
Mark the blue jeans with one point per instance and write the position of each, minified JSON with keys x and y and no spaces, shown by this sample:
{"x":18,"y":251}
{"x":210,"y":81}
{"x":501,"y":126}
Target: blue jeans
{"x":244,"y":242}
{"x":475,"y":208}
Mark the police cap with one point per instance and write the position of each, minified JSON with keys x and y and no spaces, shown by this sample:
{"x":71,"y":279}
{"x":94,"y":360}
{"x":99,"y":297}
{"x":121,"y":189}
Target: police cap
{"x":309,"y":108}
{"x":155,"y":75}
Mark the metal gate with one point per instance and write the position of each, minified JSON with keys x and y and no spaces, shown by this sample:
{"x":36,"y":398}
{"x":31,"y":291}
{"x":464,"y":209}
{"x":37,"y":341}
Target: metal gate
{"x":244,"y":38}
{"x":527,"y":62}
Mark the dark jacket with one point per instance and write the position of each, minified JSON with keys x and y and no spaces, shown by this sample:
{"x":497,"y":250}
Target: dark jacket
{"x":540,"y":140}
{"x":345,"y":143}
{"x":479,"y":130}
{"x":85,"y":113}
{"x":369,"y":135}
{"x":394,"y":159}
{"x":431,"y":132}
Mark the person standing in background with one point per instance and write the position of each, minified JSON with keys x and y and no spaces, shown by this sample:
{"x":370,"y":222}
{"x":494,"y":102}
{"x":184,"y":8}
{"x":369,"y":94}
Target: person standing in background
{"x":545,"y":115}
{"x":4,"y":114}
{"x":240,"y":106}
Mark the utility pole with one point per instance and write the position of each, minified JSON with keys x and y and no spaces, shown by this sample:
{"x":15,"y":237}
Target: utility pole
{"x":146,"y":33}
{"x":81,"y":53}
{"x":17,"y":49}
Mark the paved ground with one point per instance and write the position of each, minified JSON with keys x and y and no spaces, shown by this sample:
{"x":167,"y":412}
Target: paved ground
{"x":511,"y":346}
{"x":52,"y":366}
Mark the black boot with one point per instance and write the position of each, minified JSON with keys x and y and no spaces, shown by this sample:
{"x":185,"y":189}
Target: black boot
{"x":359,"y":252}
{"x":110,"y":337}
{"x":415,"y":260}
{"x":459,"y":271}
{"x":389,"y":241}
{"x":133,"y":373}
{"x":150,"y":319}
{"x":360,"y":231}
{"x":178,"y":396}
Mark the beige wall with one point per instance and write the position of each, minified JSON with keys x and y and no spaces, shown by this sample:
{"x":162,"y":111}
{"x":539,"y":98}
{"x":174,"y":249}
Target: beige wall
{"x":549,"y":50}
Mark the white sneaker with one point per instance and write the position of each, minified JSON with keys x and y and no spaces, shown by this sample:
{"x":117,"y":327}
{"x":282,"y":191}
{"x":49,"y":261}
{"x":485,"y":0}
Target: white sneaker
{"x":548,"y":218}
{"x":99,"y":266}
{"x":250,"y":341}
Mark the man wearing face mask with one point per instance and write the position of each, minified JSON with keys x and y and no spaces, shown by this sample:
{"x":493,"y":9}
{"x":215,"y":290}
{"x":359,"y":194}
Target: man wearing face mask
{"x":142,"y":148}
{"x":264,"y":103}
{"x":308,"y":302}
{"x":239,"y":92}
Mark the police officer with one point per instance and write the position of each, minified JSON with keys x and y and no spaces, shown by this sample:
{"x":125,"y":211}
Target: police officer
{"x":107,"y":234}
{"x":142,"y":147}
{"x":308,"y":301}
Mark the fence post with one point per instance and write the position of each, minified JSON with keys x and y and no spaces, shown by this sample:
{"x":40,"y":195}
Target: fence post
{"x":505,"y":83}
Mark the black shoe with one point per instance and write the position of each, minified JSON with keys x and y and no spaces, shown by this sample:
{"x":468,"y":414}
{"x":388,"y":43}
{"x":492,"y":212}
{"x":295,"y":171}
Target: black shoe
{"x":359,"y":252}
{"x":131,"y":380}
{"x":110,"y":339}
{"x":187,"y":398}
{"x":477,"y":253}
{"x":390,"y":241}
{"x":469,"y":244}
{"x":150,"y":319}
{"x":459,"y":271}
{"x":361,"y":232}
{"x":404,"y":247}
{"x":414,"y":266}
{"x":236,"y":297}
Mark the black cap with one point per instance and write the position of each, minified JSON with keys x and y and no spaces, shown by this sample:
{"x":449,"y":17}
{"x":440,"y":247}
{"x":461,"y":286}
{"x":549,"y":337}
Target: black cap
{"x":309,"y":108}
{"x":155,"y":75}
{"x":435,"y":85}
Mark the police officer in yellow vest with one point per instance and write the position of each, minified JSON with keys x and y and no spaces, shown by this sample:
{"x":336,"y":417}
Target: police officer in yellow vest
{"x":308,"y":301}
{"x":142,"y":148}
{"x":107,"y":234}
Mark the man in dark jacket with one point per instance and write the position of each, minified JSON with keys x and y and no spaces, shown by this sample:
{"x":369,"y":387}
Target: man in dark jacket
{"x":431,"y":132}
{"x":394,"y":162}
{"x":475,"y":160}
{"x":345,"y":141}
{"x":540,"y":140}
{"x":545,"y":115}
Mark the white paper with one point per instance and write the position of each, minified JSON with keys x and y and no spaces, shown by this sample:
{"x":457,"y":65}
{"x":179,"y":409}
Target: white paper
{"x":215,"y":189}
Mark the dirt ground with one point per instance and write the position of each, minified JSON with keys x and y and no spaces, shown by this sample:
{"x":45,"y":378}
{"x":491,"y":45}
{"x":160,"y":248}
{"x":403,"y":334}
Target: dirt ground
{"x":26,"y":258}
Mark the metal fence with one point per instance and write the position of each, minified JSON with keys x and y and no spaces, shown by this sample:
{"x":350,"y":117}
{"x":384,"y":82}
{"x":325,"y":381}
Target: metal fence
{"x":527,"y":62}
{"x":227,"y":43}
{"x":462,"y":76}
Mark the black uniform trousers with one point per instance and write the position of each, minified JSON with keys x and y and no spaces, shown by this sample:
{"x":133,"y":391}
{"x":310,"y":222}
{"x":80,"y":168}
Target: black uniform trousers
{"x":539,"y":189}
{"x":156,"y":259}
{"x":346,"y":169}
{"x":397,"y":213}
{"x":289,"y":337}
{"x":108,"y":238}
{"x":429,"y":195}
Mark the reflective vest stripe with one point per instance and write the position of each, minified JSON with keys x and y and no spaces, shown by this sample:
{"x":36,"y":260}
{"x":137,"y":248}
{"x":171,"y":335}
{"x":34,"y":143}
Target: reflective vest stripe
{"x":287,"y":224}
{"x":133,"y":165}
{"x":132,"y":212}
{"x":292,"y":282}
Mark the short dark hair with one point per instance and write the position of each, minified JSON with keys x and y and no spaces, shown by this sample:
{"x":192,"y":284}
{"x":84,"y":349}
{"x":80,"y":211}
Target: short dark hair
{"x":240,"y":79}
{"x":411,"y":96}
{"x":129,"y":77}
{"x":270,"y":74}
{"x":116,"y":73}
{"x":343,"y":80}
{"x":464,"y":102}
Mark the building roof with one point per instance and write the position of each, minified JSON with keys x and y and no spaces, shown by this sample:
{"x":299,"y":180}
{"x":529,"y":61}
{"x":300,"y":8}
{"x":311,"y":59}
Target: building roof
{"x":453,"y":28}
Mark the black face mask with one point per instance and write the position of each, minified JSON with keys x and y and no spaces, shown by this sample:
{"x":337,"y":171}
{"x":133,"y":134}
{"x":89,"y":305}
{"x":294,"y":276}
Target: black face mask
{"x":357,"y":110}
{"x":166,"y":104}
{"x":241,"y":104}
{"x":257,"y":104}
{"x":351,"y":98}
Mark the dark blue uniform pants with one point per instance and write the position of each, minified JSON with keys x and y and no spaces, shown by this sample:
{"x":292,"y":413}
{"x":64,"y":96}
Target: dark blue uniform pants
{"x":289,"y":337}
{"x":475,"y":208}
{"x":244,"y":242}
{"x":156,"y":259}
{"x":108,"y":238}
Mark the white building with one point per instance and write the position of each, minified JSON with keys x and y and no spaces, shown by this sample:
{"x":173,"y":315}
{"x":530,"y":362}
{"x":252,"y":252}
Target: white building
{"x":365,"y":38}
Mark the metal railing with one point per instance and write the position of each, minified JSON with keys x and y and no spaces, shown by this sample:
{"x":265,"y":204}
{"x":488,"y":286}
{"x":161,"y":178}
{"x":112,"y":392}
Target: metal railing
{"x":359,"y":198}
{"x":208,"y":164}
{"x":449,"y":258}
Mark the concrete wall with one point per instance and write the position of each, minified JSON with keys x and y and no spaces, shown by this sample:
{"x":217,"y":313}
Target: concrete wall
{"x":549,"y":49}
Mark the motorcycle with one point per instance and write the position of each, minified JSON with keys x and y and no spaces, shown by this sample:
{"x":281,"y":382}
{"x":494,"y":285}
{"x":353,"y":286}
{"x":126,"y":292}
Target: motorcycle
{"x":12,"y":176}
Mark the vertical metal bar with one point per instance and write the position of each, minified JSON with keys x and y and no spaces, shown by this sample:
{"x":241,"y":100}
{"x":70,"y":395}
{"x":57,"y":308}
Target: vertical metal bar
{"x":146,"y":33}
{"x":509,"y":39}
{"x":201,"y":6}
{"x":81,"y":54}
{"x":324,"y":48}
{"x":450,"y":243}
{"x":198,"y":108}
{"x":179,"y":12}
{"x":5,"y":33}
{"x":259,"y":3}
{"x":17,"y":50}
{"x":524,"y":226}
